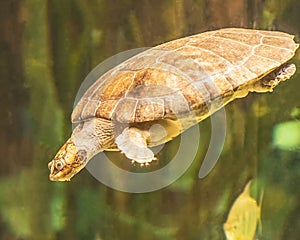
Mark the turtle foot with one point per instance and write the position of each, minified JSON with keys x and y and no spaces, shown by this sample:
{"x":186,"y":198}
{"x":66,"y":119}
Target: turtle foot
{"x":270,"y":81}
{"x":133,"y":143}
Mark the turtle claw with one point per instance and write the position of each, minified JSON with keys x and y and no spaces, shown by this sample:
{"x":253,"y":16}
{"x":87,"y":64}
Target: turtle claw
{"x":143,"y":163}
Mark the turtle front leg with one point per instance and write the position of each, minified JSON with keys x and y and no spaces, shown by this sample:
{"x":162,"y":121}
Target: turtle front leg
{"x":133,"y":143}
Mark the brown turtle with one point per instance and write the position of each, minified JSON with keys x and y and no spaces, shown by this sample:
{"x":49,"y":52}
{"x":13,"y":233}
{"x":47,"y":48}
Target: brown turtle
{"x":176,"y":85}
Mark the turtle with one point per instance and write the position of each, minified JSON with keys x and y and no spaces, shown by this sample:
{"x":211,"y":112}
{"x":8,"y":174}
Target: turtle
{"x":176,"y":85}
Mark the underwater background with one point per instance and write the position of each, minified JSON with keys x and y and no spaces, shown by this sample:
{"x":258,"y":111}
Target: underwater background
{"x":46,"y":50}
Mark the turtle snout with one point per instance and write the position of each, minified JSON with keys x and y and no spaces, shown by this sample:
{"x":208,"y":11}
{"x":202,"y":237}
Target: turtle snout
{"x":56,"y":170}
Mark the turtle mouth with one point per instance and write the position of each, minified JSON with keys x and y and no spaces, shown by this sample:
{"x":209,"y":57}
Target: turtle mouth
{"x":56,"y":178}
{"x":64,"y":174}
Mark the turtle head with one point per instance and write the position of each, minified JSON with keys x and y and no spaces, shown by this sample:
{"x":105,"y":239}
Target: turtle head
{"x":84,"y":143}
{"x":68,"y":161}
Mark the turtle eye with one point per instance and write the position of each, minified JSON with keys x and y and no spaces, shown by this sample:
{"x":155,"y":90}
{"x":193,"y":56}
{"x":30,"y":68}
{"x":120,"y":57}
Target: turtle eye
{"x":58,"y":165}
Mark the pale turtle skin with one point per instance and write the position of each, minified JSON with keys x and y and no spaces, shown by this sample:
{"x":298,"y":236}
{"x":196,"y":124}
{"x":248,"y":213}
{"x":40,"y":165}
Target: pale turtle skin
{"x":176,"y":85}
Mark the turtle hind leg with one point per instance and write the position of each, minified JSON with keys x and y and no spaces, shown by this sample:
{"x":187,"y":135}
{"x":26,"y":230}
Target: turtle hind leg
{"x":267,"y":83}
{"x":133,"y":143}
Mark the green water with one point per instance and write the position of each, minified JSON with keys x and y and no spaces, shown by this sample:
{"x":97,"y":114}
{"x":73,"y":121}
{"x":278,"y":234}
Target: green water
{"x":48,"y":47}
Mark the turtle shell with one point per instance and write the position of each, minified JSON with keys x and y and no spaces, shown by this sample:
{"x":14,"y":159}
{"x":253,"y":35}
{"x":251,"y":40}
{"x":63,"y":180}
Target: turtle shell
{"x":176,"y":77}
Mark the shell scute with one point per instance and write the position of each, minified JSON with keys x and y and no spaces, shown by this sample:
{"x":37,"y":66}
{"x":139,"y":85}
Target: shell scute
{"x":250,"y":39}
{"x":125,"y":110}
{"x":259,"y":69}
{"x":272,"y":53}
{"x":150,"y":109}
{"x":106,"y":108}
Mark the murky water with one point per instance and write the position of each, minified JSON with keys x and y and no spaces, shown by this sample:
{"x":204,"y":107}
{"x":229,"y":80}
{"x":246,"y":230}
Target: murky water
{"x":47,"y":49}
